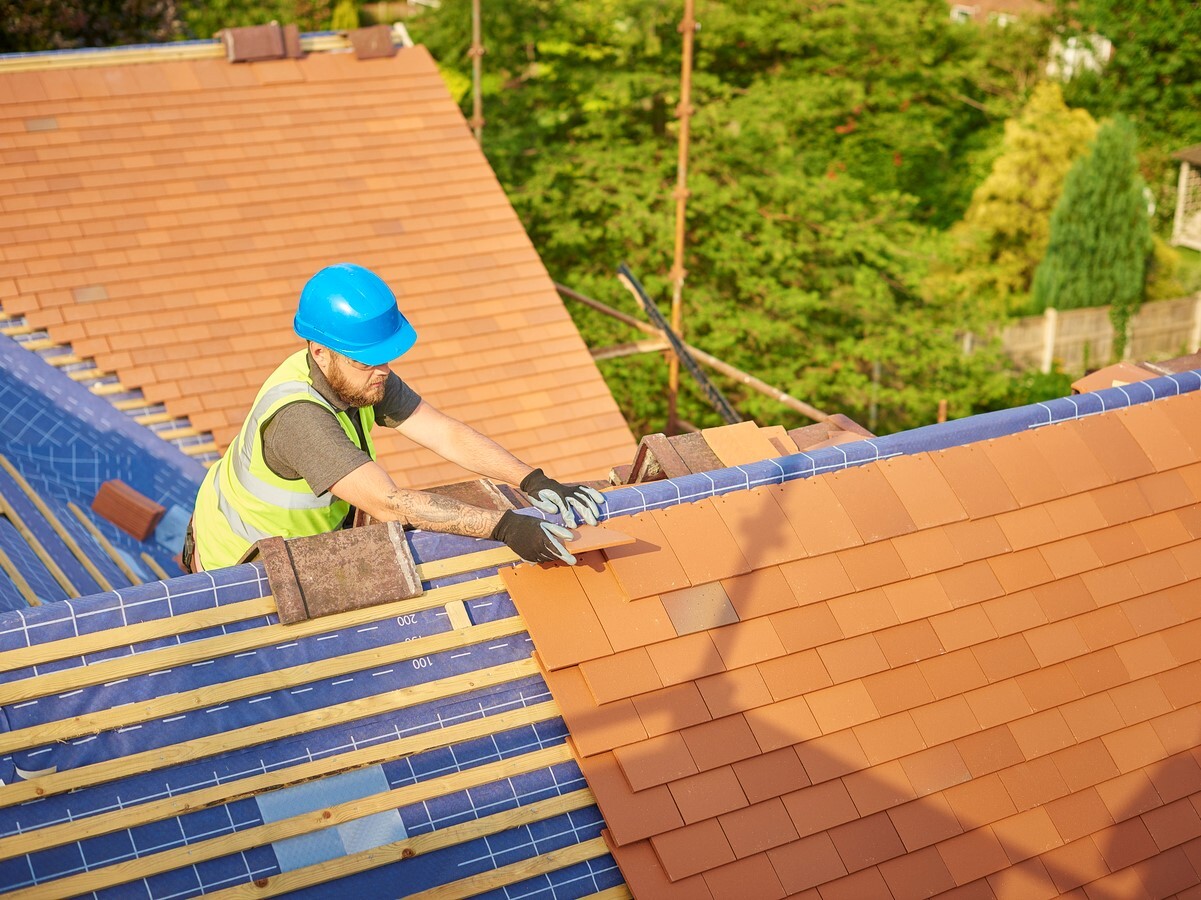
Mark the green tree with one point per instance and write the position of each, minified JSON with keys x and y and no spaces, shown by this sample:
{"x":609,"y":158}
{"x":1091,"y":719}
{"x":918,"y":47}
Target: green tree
{"x":1153,"y":76}
{"x":1005,"y":229}
{"x":31,"y":25}
{"x":346,"y":16}
{"x":204,"y":18}
{"x":827,"y":148}
{"x":1100,"y":233}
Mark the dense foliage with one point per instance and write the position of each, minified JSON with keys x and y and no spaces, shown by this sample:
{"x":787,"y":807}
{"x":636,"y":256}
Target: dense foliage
{"x":1100,"y":233}
{"x":832,"y":144}
{"x":868,"y":181}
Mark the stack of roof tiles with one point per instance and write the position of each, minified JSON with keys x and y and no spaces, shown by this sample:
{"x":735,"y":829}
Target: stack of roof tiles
{"x":160,"y":218}
{"x":974,"y":671}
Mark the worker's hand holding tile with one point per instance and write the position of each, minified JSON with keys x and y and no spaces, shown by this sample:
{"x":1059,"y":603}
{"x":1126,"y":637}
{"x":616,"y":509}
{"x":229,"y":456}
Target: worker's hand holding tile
{"x":534,"y":540}
{"x":568,"y":500}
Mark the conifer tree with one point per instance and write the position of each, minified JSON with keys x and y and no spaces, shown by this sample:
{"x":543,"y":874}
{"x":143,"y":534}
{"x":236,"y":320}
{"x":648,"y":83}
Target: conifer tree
{"x":1005,"y":229}
{"x":1100,"y":233}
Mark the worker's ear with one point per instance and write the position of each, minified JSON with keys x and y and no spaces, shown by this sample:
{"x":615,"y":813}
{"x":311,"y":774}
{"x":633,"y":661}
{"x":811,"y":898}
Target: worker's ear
{"x":321,"y":354}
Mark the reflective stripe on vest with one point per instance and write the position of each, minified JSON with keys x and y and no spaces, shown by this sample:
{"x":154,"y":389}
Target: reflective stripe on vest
{"x":242,"y":501}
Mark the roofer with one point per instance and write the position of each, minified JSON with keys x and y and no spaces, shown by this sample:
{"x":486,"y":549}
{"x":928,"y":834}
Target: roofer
{"x":304,"y":458}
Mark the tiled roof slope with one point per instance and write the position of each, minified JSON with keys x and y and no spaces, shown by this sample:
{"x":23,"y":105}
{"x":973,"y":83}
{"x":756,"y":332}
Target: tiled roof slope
{"x":974,"y":671}
{"x":162,"y":217}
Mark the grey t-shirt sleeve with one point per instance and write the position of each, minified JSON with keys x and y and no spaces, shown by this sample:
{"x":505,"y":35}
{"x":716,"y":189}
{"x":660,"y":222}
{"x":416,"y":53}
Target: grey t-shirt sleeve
{"x":304,"y":440}
{"x":398,"y":404}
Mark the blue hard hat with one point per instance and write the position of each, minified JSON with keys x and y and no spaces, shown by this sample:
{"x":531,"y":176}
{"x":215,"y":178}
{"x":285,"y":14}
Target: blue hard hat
{"x":352,"y":311}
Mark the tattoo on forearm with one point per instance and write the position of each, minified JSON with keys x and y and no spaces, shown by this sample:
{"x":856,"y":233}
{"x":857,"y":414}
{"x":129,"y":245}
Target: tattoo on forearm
{"x":432,"y":512}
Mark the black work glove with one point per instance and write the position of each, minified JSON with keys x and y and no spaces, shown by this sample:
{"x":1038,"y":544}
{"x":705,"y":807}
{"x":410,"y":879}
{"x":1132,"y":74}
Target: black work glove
{"x":533,"y":539}
{"x":568,"y":500}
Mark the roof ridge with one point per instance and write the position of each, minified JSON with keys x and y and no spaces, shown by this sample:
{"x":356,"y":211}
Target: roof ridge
{"x":211,"y":48}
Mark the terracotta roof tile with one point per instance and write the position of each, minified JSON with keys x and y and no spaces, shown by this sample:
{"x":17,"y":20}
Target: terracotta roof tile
{"x":655,"y":761}
{"x":699,"y":608}
{"x":759,"y":527}
{"x":686,"y":659}
{"x":735,"y":691}
{"x":621,"y":675}
{"x":816,"y":515}
{"x":648,"y":566}
{"x":867,"y":611}
{"x":732,"y":881}
{"x":1049,"y":687}
{"x":820,"y":807}
{"x":918,"y":598}
{"x":705,"y":795}
{"x":805,"y":863}
{"x":807,"y":627}
{"x":701,"y":541}
{"x":866,"y":841}
{"x":922,"y":552}
{"x":1042,"y":733}
{"x":817,"y":578}
{"x":759,"y":592}
{"x":796,"y":673}
{"x":1166,"y":873}
{"x":560,"y":618}
{"x":671,"y":708}
{"x":771,"y":774}
{"x":916,"y":874}
{"x":1014,"y":613}
{"x":831,"y":756}
{"x":924,"y":821}
{"x":971,"y":583}
{"x":626,"y":624}
{"x":1165,"y":491}
{"x":935,"y":769}
{"x":1024,"y":469}
{"x":756,"y":828}
{"x":1129,"y":795}
{"x":1031,"y":678}
{"x":1114,"y":446}
{"x":975,"y":481}
{"x":1074,"y":864}
{"x":923,"y":490}
{"x":908,"y":643}
{"x":973,"y":854}
{"x":720,"y":742}
{"x":853,"y":658}
{"x":597,"y":729}
{"x":872,"y":565}
{"x":1033,"y":783}
{"x":945,"y":720}
{"x":746,"y":643}
{"x":874,"y":509}
{"x":692,"y":849}
{"x":1005,"y":657}
{"x":953,"y":673}
{"x":629,"y":816}
{"x":864,"y":883}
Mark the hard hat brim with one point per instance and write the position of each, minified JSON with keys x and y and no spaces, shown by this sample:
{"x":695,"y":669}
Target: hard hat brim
{"x":396,"y":346}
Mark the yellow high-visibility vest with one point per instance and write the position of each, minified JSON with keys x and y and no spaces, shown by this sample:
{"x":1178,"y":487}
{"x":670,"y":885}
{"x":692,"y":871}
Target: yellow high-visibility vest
{"x":242,"y":501}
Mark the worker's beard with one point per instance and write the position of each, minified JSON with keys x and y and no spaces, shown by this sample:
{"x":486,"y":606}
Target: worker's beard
{"x":350,"y":391}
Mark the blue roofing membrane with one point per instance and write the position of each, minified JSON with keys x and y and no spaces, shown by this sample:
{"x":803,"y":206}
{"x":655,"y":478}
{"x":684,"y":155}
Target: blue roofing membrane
{"x":237,"y":731}
{"x":65,"y":442}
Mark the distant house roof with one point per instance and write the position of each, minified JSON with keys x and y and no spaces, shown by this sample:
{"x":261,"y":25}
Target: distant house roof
{"x":1190,"y":155}
{"x":161,"y":217}
{"x":962,"y":657}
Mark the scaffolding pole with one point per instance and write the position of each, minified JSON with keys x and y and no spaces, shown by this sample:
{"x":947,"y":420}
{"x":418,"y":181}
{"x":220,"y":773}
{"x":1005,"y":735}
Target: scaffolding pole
{"x":477,"y":54}
{"x":684,"y":113}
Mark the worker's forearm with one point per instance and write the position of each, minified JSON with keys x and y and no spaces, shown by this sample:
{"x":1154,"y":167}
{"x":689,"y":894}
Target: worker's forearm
{"x":433,"y":512}
{"x":479,"y":453}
